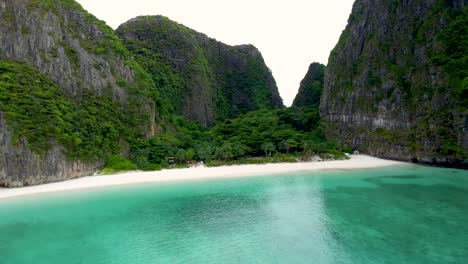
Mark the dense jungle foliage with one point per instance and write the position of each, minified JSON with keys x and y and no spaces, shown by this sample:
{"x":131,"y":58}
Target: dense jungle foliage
{"x":285,"y":135}
{"x":38,"y":110}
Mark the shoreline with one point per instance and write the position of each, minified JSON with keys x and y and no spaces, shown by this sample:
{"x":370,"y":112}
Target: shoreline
{"x":198,"y":173}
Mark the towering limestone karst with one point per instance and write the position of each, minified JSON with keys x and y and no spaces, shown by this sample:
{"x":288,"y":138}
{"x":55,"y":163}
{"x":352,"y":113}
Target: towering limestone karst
{"x":199,"y":77}
{"x":70,"y":93}
{"x":396,"y":85}
{"x":311,"y":88}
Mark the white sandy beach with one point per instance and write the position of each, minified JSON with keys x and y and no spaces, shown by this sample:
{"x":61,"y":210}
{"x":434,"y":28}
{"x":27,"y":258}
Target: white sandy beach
{"x":356,"y":162}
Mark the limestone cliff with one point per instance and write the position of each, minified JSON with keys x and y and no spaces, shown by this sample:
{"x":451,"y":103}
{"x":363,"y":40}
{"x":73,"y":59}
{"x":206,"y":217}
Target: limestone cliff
{"x":311,"y":88}
{"x":396,"y":84}
{"x":199,"y":77}
{"x":20,"y":166}
{"x":70,"y":93}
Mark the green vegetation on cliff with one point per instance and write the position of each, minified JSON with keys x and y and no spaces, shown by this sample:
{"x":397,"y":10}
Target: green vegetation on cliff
{"x":39,"y":110}
{"x":34,"y":106}
{"x":69,"y":81}
{"x":454,"y":55}
{"x":108,"y":44}
{"x":311,"y":87}
{"x":198,"y":77}
{"x":396,"y":83}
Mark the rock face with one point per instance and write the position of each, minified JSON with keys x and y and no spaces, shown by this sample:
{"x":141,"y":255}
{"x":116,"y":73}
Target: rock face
{"x":70,"y":93}
{"x":396,"y":84}
{"x":20,"y":166}
{"x":311,"y":87}
{"x":199,"y":77}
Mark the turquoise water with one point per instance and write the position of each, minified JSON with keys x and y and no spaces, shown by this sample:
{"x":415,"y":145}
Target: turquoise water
{"x":407,"y":214}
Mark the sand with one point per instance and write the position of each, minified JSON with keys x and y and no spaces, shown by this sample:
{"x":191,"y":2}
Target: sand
{"x":198,"y":173}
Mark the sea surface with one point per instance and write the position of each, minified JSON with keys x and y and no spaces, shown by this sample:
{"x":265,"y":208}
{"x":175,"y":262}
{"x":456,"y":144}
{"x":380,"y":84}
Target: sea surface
{"x":401,"y":214}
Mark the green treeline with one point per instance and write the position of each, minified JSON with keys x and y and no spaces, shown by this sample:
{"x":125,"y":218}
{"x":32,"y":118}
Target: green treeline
{"x":283,"y":135}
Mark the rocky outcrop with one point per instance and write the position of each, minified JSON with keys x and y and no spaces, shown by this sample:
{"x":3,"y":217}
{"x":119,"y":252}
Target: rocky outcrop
{"x":199,"y":77}
{"x":19,"y":166}
{"x":396,"y":83}
{"x":311,"y":88}
{"x":103,"y":99}
{"x":63,"y":42}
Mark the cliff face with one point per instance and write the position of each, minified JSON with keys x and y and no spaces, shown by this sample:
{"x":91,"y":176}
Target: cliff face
{"x":311,"y":87}
{"x":70,"y":94}
{"x":20,"y":166}
{"x":199,"y":77}
{"x":396,"y":84}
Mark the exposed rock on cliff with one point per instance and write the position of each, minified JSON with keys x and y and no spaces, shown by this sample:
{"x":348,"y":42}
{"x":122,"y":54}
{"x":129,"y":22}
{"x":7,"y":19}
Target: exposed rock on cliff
{"x":20,"y":166}
{"x":396,"y":84}
{"x":199,"y":77}
{"x":70,"y":93}
{"x":311,"y":87}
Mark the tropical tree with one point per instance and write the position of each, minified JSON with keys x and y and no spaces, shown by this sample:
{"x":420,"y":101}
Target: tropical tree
{"x":288,"y":144}
{"x":224,"y":152}
{"x":268,"y":148}
{"x":239,"y":149}
{"x":180,"y":155}
{"x":204,"y":151}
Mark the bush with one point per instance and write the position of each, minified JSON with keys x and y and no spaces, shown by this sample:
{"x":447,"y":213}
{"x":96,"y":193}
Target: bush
{"x":347,"y":149}
{"x":118,"y":163}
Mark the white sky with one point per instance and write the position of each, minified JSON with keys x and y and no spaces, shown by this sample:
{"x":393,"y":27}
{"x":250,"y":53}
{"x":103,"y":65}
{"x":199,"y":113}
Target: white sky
{"x":290,"y":34}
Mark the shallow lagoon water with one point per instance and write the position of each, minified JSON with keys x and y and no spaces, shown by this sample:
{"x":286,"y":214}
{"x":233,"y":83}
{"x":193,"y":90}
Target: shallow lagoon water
{"x":401,"y":214}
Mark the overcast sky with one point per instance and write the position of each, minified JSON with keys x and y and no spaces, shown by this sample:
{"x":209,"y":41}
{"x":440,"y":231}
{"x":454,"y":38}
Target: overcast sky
{"x":290,"y":34}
